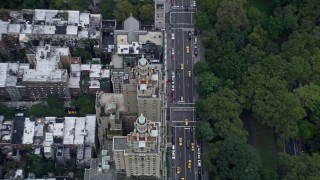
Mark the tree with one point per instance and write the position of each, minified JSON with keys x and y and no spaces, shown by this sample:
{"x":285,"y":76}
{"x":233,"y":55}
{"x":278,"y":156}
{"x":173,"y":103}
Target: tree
{"x":57,"y":112}
{"x":222,"y":111}
{"x":39,"y":166}
{"x":146,"y":13}
{"x":303,"y":166}
{"x":309,"y":96}
{"x":38,"y":110}
{"x":57,"y":4}
{"x":207,"y":83}
{"x":202,"y":20}
{"x":200,"y":67}
{"x":106,"y":9}
{"x":86,"y":104}
{"x":54,"y":101}
{"x":204,"y":131}
{"x":123,"y":10}
{"x":252,"y":54}
{"x":231,"y":16}
{"x":6,"y":111}
{"x":258,"y":36}
{"x":232,"y":159}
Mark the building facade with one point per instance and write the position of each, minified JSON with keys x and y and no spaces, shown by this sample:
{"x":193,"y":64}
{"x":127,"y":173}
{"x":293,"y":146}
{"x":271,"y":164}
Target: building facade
{"x":138,"y":153}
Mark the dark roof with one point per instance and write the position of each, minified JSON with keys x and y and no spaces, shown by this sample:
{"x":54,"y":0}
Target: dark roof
{"x":18,"y":128}
{"x":61,"y":30}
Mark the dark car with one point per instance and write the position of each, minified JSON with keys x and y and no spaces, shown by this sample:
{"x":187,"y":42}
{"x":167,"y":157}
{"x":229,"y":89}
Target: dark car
{"x":195,"y":53}
{"x":186,"y":8}
{"x":195,"y":32}
{"x":189,"y":35}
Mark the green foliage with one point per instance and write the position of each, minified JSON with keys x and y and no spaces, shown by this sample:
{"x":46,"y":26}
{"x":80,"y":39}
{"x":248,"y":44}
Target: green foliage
{"x":123,"y":10}
{"x":54,"y":101}
{"x":39,"y":166}
{"x":309,"y":96}
{"x":146,"y":13}
{"x":303,"y":166}
{"x":207,"y":83}
{"x":106,"y":9}
{"x":232,"y":159}
{"x":267,"y":64}
{"x":258,"y":36}
{"x":37,"y":110}
{"x":86,"y":104}
{"x":200,"y":67}
{"x":6,"y":111}
{"x":306,"y":129}
{"x":222,"y":111}
{"x":202,"y":20}
{"x":231,"y":15}
{"x":204,"y":131}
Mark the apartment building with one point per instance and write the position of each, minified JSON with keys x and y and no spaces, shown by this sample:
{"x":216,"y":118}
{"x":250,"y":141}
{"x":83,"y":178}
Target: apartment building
{"x":159,"y":17}
{"x":54,"y":138}
{"x":138,"y":56}
{"x":46,"y":78}
{"x":64,"y":28}
{"x":89,"y":78}
{"x":138,"y":153}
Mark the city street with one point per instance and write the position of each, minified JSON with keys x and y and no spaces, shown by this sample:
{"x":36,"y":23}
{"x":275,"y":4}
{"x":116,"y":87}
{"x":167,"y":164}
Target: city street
{"x":182,"y":111}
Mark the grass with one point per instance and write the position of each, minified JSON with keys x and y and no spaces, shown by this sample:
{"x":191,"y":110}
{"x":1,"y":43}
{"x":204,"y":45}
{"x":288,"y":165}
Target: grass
{"x":263,"y":5}
{"x":263,"y":141}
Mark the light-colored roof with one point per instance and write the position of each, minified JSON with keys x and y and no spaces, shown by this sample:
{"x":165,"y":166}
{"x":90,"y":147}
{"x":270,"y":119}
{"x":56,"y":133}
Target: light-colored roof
{"x":105,"y":73}
{"x":80,"y":130}
{"x":91,"y":129}
{"x":72,"y":30}
{"x":84,"y":19}
{"x":49,"y":29}
{"x":69,"y":130}
{"x":73,"y":17}
{"x":58,"y":129}
{"x":3,"y":28}
{"x":131,"y":24}
{"x":28,"y":132}
{"x":47,"y":69}
{"x":14,"y":28}
{"x":95,"y":70}
{"x":3,"y":74}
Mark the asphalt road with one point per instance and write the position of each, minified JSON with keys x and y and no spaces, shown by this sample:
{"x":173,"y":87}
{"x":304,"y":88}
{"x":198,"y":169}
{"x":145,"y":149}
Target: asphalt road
{"x":182,"y":105}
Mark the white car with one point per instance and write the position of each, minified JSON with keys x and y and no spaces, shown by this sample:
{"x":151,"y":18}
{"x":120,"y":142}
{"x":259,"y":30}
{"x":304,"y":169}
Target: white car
{"x":172,"y":76}
{"x":194,"y":3}
{"x":172,"y":36}
{"x":199,"y":163}
{"x":173,"y":154}
{"x":172,"y":88}
{"x":198,"y":156}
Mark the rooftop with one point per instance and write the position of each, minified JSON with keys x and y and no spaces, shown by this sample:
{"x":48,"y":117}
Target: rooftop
{"x":90,"y":129}
{"x":28,"y":133}
{"x":119,"y":142}
{"x":46,"y":69}
{"x":69,"y":130}
{"x":18,"y":130}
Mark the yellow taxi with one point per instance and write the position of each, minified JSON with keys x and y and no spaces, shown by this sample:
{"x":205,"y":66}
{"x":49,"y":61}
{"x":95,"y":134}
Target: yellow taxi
{"x":189,"y":164}
{"x":178,"y":170}
{"x":186,"y":122}
{"x":192,"y":146}
{"x":189,"y":73}
{"x":187,"y":49}
{"x":180,"y":141}
{"x":182,"y":178}
{"x":181,"y":66}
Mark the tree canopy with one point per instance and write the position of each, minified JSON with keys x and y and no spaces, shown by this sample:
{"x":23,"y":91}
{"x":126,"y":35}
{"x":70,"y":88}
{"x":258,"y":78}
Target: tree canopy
{"x":262,"y":58}
{"x":232,"y":159}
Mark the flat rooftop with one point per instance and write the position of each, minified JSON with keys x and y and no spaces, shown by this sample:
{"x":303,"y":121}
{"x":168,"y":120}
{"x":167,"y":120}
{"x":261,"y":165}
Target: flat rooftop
{"x":28,"y":132}
{"x":119,"y":142}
